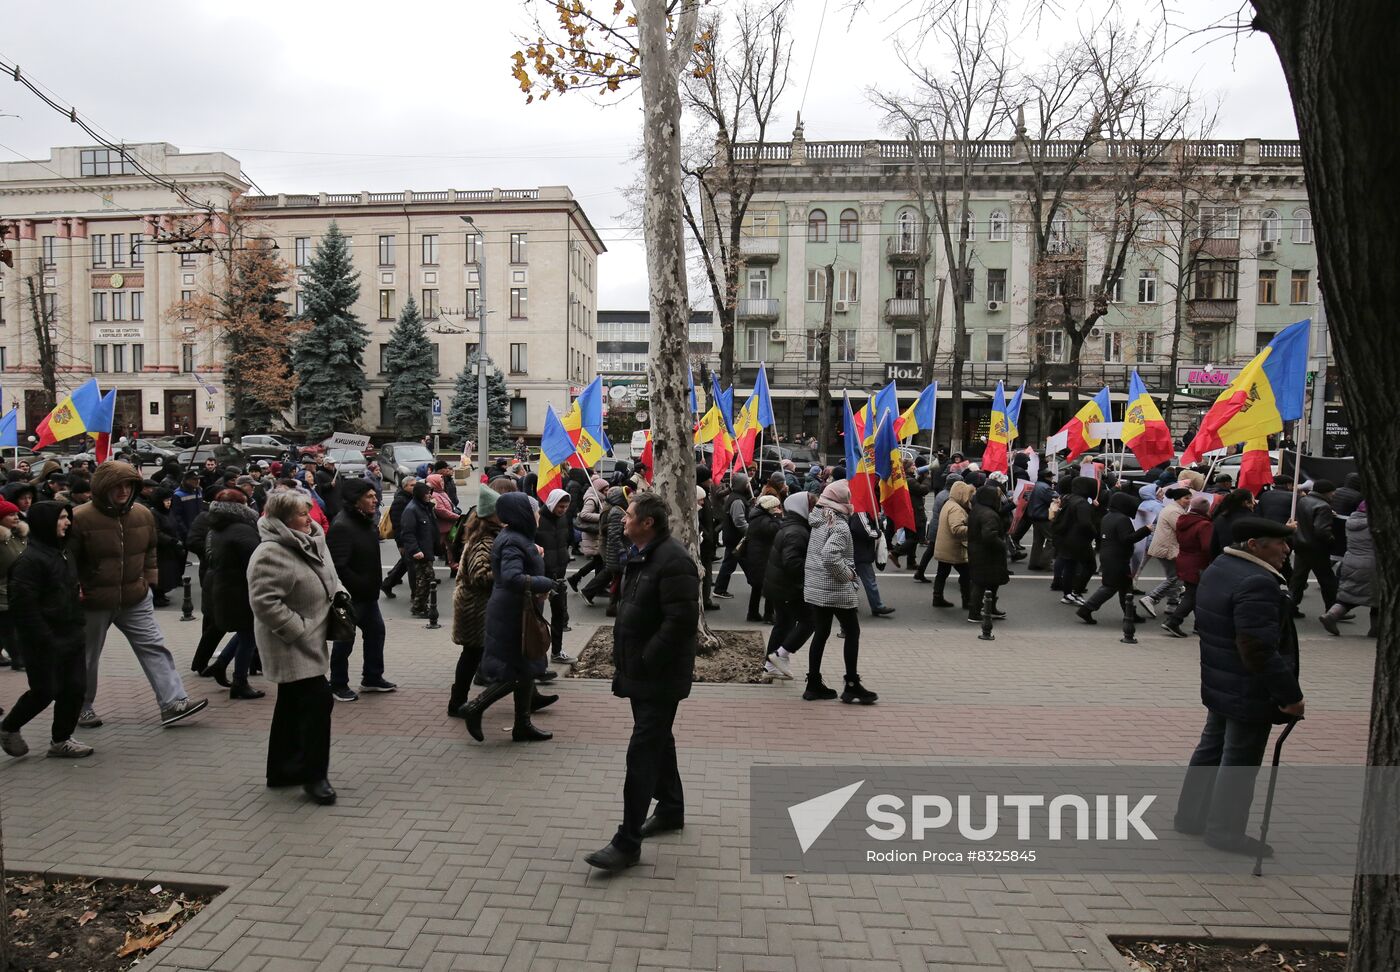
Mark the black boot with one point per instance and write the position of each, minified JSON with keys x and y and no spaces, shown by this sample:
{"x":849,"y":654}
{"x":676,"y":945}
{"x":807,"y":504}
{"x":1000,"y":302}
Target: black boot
{"x":540,"y":701}
{"x":242,"y":690}
{"x":524,"y":730}
{"x":817,"y":690}
{"x":218,"y":672}
{"x":467,"y":663}
{"x":857,"y":693}
{"x":477,"y":707}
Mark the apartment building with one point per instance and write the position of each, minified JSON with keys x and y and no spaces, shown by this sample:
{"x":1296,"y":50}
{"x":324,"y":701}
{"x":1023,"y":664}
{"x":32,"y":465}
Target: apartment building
{"x":94,"y":236}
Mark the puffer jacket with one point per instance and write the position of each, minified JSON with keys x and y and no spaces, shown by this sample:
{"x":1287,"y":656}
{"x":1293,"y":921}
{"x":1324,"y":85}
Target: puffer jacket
{"x":1117,"y":537}
{"x":1357,"y":573}
{"x":758,"y":542}
{"x":418,"y":530}
{"x":473,"y":590}
{"x":986,"y":539}
{"x":614,"y":540}
{"x":12,"y":544}
{"x":864,"y":533}
{"x":1164,"y":543}
{"x":829,"y":576}
{"x":233,"y":537}
{"x":517,"y":571}
{"x":1193,"y":535}
{"x":1076,"y":526}
{"x":114,"y":548}
{"x":354,"y":545}
{"x":950,"y":546}
{"x":590,"y":520}
{"x":1316,"y":524}
{"x":43,"y":590}
{"x":291,"y":581}
{"x":1038,"y":505}
{"x":553,"y":535}
{"x":783,"y":577}
{"x":654,"y":639}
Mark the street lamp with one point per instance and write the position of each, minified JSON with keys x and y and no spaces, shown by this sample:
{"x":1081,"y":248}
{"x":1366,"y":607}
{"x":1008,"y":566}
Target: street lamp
{"x":483,"y":425}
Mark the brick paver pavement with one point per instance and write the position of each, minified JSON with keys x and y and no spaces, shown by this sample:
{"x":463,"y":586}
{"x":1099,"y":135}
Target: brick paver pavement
{"x":445,"y":854}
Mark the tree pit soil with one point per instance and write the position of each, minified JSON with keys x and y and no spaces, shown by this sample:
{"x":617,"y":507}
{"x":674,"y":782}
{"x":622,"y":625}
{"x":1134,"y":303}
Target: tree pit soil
{"x":738,"y":658}
{"x":90,"y":923}
{"x":1215,"y":956}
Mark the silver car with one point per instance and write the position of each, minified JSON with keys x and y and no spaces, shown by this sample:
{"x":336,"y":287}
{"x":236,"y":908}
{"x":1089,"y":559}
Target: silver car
{"x":349,"y":463}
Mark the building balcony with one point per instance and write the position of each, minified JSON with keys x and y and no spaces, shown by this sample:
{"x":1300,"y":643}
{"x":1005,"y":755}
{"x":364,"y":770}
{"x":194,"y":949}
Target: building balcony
{"x":906,"y":310}
{"x":903,"y":250}
{"x":759,"y":249}
{"x":759,"y":308}
{"x":1211,"y":312}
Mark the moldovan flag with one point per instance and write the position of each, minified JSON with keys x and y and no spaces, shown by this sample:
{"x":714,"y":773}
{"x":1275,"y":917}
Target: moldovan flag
{"x":1267,"y":393}
{"x":1256,"y":466}
{"x":584,"y":424}
{"x":648,"y":463}
{"x":884,"y":400}
{"x":1144,"y":429}
{"x":860,"y":464}
{"x":919,"y":416}
{"x":1013,"y":414}
{"x":756,"y":414}
{"x":714,"y":429}
{"x":102,"y":426}
{"x":690,"y":386}
{"x":889,"y":467}
{"x":994,"y":456}
{"x":75,"y":415}
{"x":556,"y":448}
{"x":1076,"y":429}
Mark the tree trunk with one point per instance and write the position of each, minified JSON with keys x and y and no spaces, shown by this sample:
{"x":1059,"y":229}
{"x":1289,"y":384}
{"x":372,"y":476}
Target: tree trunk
{"x":824,"y":370}
{"x":727,"y":313}
{"x":43,"y":339}
{"x":1333,"y":56}
{"x":959,"y":329}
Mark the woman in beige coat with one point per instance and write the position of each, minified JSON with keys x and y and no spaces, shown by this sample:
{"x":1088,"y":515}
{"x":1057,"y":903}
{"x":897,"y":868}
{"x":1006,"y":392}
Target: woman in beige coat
{"x":291,"y":582}
{"x":950,"y":544}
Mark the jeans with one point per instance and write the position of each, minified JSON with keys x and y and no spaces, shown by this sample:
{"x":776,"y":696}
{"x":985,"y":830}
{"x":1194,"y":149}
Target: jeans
{"x":1307,"y":560}
{"x":241,"y":648}
{"x":299,"y":742}
{"x":792,"y":625}
{"x":1215,"y":802}
{"x":726,"y":569}
{"x":652,"y":771}
{"x":850,"y":627}
{"x":371,"y":625}
{"x":52,"y":678}
{"x":1167,"y":586}
{"x":866,"y":573}
{"x":138,"y":623}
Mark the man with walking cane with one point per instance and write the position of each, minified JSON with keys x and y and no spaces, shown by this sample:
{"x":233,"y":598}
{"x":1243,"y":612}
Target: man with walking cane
{"x":1249,"y":683}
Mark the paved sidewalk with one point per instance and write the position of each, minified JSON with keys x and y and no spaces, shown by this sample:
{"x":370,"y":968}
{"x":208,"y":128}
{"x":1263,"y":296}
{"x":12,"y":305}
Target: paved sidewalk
{"x":445,"y":854}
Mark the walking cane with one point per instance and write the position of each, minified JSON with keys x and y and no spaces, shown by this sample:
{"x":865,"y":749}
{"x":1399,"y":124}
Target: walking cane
{"x":1269,"y":799}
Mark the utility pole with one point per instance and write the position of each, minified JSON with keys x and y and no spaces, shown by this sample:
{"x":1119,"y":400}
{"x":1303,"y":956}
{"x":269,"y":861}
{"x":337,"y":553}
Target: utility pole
{"x":483,"y":424}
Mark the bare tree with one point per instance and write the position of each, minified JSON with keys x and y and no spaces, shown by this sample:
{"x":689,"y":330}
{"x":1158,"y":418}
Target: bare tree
{"x":824,"y":360}
{"x":43,"y":315}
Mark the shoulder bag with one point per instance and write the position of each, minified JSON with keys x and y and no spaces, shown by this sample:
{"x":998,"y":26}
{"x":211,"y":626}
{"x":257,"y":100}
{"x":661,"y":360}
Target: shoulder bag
{"x":340,"y":625}
{"x":535,"y":636}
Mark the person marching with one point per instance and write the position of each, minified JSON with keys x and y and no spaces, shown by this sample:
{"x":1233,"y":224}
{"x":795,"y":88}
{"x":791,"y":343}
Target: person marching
{"x":354,"y":545}
{"x":1194,"y":531}
{"x":783,"y":582}
{"x":831,"y":587}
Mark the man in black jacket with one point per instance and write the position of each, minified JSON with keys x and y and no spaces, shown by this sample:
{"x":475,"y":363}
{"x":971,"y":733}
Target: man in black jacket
{"x":735,"y":525}
{"x":1276,"y":502}
{"x":1312,"y":544}
{"x":1037,"y":519}
{"x":654,"y":653}
{"x":354,"y":544}
{"x":418,"y":538}
{"x":709,"y":536}
{"x":402,"y":495}
{"x":553,"y":536}
{"x":1116,"y":541}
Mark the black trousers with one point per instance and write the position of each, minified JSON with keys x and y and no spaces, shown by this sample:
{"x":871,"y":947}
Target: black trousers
{"x":391,"y":580}
{"x":595,"y":562}
{"x":600,"y":583}
{"x":558,"y":620}
{"x":707,"y":578}
{"x":652,"y":772}
{"x":467,"y":663}
{"x":756,"y":596}
{"x":59,"y":679}
{"x":940,"y":580}
{"x":1318,"y":562}
{"x":299,"y":744}
{"x":850,"y":627}
{"x":792,"y":625}
{"x":9,"y":641}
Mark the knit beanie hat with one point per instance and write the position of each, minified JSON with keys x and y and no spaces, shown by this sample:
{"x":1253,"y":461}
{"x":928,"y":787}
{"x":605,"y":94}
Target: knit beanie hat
{"x":770,"y":503}
{"x":7,"y":508}
{"x":486,"y":501}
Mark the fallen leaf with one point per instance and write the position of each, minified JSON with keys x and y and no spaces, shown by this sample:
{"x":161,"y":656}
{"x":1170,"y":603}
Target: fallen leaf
{"x":20,"y":913}
{"x":53,"y":955}
{"x":157,"y":889}
{"x":25,"y":888}
{"x":133,"y":944}
{"x":87,"y":917}
{"x":161,"y":917}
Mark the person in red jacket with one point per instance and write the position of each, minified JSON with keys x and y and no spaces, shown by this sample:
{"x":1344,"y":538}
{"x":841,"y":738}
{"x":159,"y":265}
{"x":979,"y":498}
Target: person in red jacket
{"x":1193,"y":534}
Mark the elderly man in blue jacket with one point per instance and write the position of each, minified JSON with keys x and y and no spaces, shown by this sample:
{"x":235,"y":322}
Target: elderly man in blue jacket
{"x":1249,"y":682}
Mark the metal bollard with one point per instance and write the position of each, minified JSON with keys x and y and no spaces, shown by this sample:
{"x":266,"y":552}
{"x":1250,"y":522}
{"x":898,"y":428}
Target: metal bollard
{"x":1129,"y":624}
{"x":187,"y":604}
{"x":987,"y":602}
{"x":432,"y":606}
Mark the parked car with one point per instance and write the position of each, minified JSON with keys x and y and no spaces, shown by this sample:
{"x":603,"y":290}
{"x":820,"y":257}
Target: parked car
{"x":224,"y":455}
{"x":178,"y":442}
{"x":348,"y":462}
{"x":399,"y":459}
{"x":148,"y":452}
{"x":1230,"y":465}
{"x":11,"y":456}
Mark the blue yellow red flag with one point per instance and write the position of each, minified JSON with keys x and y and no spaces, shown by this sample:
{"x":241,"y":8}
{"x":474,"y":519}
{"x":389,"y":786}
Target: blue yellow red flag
{"x":74,"y":415}
{"x":9,"y":430}
{"x":102,"y":426}
{"x":1096,"y":409}
{"x":1145,"y":432}
{"x":1013,"y":414}
{"x":889,"y":468}
{"x":919,"y":416}
{"x":556,"y":448}
{"x":994,"y":458}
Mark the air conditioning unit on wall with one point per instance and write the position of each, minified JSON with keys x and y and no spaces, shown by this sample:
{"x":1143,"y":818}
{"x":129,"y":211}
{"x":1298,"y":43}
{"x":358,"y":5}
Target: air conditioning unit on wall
{"x":993,"y":306}
{"x":1095,"y":332}
{"x":1267,"y":246}
{"x":840,"y":306}
{"x":777,"y":334}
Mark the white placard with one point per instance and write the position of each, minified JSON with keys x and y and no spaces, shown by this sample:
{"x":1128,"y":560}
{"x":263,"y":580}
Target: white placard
{"x":346,"y":440}
{"x":1105,"y":430}
{"x":1057,"y":443}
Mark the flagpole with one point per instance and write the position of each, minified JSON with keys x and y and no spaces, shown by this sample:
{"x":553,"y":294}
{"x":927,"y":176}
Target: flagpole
{"x":874,"y":498}
{"x":1298,"y":459}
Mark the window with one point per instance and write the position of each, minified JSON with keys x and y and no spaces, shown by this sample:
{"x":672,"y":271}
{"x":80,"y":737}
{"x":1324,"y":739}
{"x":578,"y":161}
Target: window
{"x":845,"y":349}
{"x":471,"y":240}
{"x":904,"y":345}
{"x":383,"y":359}
{"x":1300,"y":293}
{"x":816,"y":285}
{"x":847,"y":285}
{"x":118,"y":305}
{"x":996,"y":284}
{"x":1216,"y":280}
{"x":119,"y":358}
{"x":118,"y":249}
{"x":99,"y":249}
{"x":1058,"y":239}
{"x":186,"y":258}
{"x":138,"y":305}
{"x":519,"y":413}
{"x":813,"y":345}
{"x":760,"y":223}
{"x":968,"y":283}
{"x":470,"y":348}
{"x":386,"y":305}
{"x":386,"y":251}
{"x":850,"y":226}
{"x":49,"y":259}
{"x":1145,"y":346}
{"x":816,"y":226}
{"x":99,"y":358}
{"x":519,"y":359}
{"x":138,"y":357}
{"x":908,"y":231}
{"x":300,"y":305}
{"x":905,"y":284}
{"x":969,"y":226}
{"x":996,"y":347}
{"x":998,"y":227}
{"x":518,"y":244}
{"x":1050,"y":345}
{"x":2,"y":311}
{"x":1203,"y":348}
{"x":1113,"y":347}
{"x":1150,"y":227}
{"x":966,"y":345}
{"x":101,"y":162}
{"x":186,"y":299}
{"x":473,"y":299}
{"x":1115,"y":290}
{"x":756,"y":344}
{"x":1268,"y":286}
{"x":1262,"y":339}
{"x":187,"y":358}
{"x":431,"y":310}
{"x":519,"y":303}
{"x":302,"y":248}
{"x":1147,"y":286}
{"x":758,"y":283}
{"x":437,"y":359}
{"x":1302,"y":226}
{"x":1219,"y":223}
{"x":1270,"y":229}
{"x":99,"y":305}
{"x":430,"y":249}
{"x":138,"y":249}
{"x":4,"y":359}
{"x":48,"y":303}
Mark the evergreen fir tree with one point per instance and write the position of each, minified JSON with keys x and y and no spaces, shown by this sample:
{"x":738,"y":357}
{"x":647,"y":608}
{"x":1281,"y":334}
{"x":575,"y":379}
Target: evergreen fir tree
{"x":330,"y":357}
{"x":408,"y":358}
{"x":461,"y":417}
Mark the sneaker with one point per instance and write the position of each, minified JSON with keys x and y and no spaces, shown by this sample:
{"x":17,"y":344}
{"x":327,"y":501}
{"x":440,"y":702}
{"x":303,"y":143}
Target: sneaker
{"x":1085,"y":615}
{"x":1068,"y":599}
{"x":13,"y":744}
{"x":89,"y":720}
{"x":997,"y":615}
{"x":724,"y":594}
{"x":1078,"y":599}
{"x":779,"y":664}
{"x":587,"y":598}
{"x":182,"y":709}
{"x":70,"y":749}
{"x":1173,"y":628}
{"x":546,"y":676}
{"x":377,"y":685}
{"x":563,"y":658}
{"x":1149,"y":604}
{"x":345,"y":693}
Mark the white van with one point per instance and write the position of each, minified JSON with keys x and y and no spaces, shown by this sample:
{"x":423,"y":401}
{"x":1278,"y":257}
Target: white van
{"x":639,"y":442}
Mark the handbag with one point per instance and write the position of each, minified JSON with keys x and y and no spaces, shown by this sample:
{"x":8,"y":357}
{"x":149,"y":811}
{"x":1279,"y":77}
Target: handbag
{"x":535,"y":636}
{"x":386,"y":526}
{"x":340,"y":625}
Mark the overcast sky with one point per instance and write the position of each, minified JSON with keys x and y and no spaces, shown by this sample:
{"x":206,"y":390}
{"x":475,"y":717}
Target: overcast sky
{"x":418,"y":95}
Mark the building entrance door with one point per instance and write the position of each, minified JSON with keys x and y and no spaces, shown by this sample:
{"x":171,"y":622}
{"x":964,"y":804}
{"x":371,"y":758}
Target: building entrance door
{"x":179,"y":412}
{"x":126,"y":416}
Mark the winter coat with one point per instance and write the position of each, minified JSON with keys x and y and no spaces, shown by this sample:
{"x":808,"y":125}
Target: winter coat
{"x":186,"y":507}
{"x":233,"y":537}
{"x":328,"y":489}
{"x":1355,"y":576}
{"x":614,"y":540}
{"x":473,"y":590}
{"x":446,"y":515}
{"x":194,"y":542}
{"x":1315,"y":524}
{"x":43,"y":591}
{"x":170,"y":550}
{"x":1275,"y":504}
{"x":589,"y":520}
{"x":376,"y":483}
{"x":918,"y":495}
{"x":736,"y":521}
{"x":758,"y":542}
{"x":986,"y":539}
{"x":12,"y":544}
{"x":114,"y":548}
{"x":783,"y":576}
{"x":654,"y":637}
{"x":1348,"y":496}
{"x":402,"y":497}
{"x":1249,"y":648}
{"x":554,"y":535}
{"x":829,"y":577}
{"x":1076,"y":526}
{"x":1117,"y":536}
{"x":1224,"y":530}
{"x":291,"y":581}
{"x":1193,"y":536}
{"x":354,"y":546}
{"x":708,"y":526}
{"x":863,"y":537}
{"x":950,"y":546}
{"x":517,"y":571}
{"x":1164,"y":543}
{"x":418,"y":530}
{"x":1038,"y":505}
